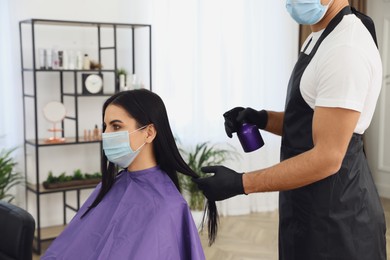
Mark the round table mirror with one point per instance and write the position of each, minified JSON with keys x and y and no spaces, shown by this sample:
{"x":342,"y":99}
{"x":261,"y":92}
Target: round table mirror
{"x":54,"y":112}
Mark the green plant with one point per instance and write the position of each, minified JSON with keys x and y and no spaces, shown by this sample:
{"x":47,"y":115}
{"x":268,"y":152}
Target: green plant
{"x":121,"y":71}
{"x":96,"y":175}
{"x":8,"y":176}
{"x":204,"y":154}
{"x":50,"y":178}
{"x":77,"y":175}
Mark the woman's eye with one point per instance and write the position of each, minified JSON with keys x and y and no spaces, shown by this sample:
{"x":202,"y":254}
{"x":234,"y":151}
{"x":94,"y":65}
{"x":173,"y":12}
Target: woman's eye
{"x":116,"y":127}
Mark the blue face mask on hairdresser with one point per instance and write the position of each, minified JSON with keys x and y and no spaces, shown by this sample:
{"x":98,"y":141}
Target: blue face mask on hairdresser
{"x":307,"y":11}
{"x":116,"y":146}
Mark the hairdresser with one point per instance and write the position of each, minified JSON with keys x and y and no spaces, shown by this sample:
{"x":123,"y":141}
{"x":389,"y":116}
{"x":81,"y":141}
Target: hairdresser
{"x":329,"y":207}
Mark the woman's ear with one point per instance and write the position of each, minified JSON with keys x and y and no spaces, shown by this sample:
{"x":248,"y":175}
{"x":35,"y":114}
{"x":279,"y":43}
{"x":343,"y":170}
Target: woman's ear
{"x":150,"y":133}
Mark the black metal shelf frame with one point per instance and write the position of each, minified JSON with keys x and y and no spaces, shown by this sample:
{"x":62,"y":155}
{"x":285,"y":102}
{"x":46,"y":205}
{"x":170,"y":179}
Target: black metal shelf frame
{"x":36,"y":143}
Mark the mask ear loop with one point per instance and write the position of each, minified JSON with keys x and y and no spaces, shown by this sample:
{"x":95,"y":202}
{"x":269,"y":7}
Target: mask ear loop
{"x":326,"y":8}
{"x":139,"y":148}
{"x":142,"y":127}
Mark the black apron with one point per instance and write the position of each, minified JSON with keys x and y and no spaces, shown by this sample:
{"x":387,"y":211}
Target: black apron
{"x":339,"y":217}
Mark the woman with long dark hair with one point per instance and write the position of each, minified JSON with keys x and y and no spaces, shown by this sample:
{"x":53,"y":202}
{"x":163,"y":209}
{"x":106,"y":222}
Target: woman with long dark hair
{"x":138,"y":212}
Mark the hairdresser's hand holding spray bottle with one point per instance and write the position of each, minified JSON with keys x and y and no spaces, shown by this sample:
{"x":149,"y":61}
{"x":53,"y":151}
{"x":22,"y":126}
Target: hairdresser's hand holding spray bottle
{"x":226,"y":183}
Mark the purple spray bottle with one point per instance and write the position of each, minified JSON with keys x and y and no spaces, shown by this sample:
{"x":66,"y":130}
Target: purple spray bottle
{"x":250,"y":138}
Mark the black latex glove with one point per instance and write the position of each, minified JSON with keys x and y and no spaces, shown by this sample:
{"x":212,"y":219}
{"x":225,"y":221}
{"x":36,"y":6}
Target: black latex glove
{"x":224,"y":184}
{"x":254,"y":117}
{"x":235,"y":117}
{"x":231,"y":123}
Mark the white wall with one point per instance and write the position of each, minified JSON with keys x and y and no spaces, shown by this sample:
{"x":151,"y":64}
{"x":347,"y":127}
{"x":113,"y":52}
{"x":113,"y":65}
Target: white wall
{"x":63,"y":158}
{"x":139,"y":11}
{"x":377,"y":136}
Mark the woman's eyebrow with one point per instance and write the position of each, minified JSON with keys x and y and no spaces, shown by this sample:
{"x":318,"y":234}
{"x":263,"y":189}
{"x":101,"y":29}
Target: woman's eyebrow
{"x":115,"y":121}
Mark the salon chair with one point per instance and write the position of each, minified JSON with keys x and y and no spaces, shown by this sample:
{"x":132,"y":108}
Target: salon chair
{"x":17,"y":228}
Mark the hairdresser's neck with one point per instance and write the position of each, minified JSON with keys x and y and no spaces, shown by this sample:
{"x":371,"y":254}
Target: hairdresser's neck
{"x":333,"y":10}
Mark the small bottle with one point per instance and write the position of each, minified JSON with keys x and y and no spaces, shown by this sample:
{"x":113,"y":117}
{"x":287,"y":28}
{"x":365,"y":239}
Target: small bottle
{"x":100,"y":134}
{"x":96,"y":133}
{"x":65,"y":60}
{"x":79,"y":61}
{"x":134,"y":82}
{"x":42,"y":59}
{"x":55,"y":58}
{"x":86,"y":62}
{"x":71,"y":60}
{"x":250,"y":137}
{"x":60,"y":59}
{"x":122,"y":80}
{"x":49,"y":59}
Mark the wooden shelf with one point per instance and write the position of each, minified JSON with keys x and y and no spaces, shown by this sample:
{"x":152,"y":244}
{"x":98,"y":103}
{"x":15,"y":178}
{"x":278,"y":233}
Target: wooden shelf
{"x":43,"y":190}
{"x":48,"y":233}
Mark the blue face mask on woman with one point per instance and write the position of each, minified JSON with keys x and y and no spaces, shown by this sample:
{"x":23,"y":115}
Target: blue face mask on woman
{"x":307,"y":11}
{"x":116,"y":146}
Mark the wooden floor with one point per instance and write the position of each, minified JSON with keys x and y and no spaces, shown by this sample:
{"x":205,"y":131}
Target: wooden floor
{"x":253,"y":236}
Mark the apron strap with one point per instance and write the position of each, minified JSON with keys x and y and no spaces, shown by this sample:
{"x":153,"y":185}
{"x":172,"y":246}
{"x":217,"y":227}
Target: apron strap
{"x":333,"y":23}
{"x":368,"y":23}
{"x":366,"y":20}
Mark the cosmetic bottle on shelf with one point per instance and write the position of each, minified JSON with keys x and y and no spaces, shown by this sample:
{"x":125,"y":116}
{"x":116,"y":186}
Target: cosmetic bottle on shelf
{"x":86,"y":62}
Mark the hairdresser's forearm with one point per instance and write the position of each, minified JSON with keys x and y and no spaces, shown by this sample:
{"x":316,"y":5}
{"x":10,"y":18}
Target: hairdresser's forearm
{"x":275,"y":122}
{"x":295,"y":172}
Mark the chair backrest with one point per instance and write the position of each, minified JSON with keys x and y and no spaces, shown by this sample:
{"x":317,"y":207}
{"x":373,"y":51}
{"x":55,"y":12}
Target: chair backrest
{"x":17,"y":228}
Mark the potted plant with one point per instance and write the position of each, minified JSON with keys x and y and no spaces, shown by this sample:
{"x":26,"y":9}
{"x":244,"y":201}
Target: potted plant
{"x":204,"y":154}
{"x":77,"y":179}
{"x":122,"y":78}
{"x":8,"y":176}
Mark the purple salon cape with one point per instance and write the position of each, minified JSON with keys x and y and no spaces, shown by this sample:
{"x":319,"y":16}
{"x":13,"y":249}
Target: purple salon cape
{"x":142,"y":217}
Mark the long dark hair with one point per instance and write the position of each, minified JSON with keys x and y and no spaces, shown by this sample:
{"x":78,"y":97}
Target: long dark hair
{"x":147,"y":108}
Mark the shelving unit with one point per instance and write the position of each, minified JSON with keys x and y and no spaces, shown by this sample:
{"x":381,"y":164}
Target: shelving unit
{"x":68,"y":91}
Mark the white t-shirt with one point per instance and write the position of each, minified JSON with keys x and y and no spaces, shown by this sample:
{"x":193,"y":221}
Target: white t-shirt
{"x":345,"y":72}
